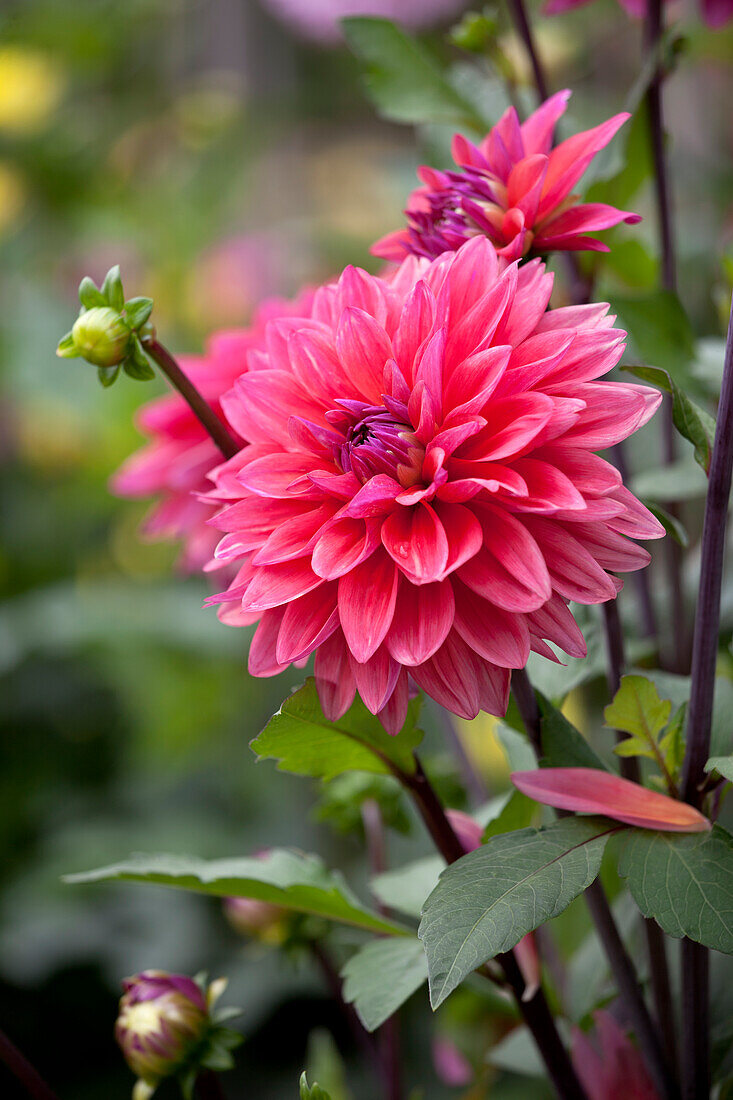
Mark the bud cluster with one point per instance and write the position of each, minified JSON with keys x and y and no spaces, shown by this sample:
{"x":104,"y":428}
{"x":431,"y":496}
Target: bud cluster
{"x":109,"y":330}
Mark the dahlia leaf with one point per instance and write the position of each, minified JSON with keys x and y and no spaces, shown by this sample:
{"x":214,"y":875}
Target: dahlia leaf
{"x":405,"y":83}
{"x":488,"y":900}
{"x":516,"y":814}
{"x":684,"y":882}
{"x":405,"y":888}
{"x":692,"y":422}
{"x":660,"y":331}
{"x":562,"y":744}
{"x":638,"y":711}
{"x":304,"y":742}
{"x":288,"y":878}
{"x":721,"y":764}
{"x":671,"y":525}
{"x":373,"y":998}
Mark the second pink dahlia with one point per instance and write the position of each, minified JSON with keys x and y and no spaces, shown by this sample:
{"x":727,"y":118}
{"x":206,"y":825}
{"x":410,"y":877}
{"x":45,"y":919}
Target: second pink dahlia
{"x":420,"y":495}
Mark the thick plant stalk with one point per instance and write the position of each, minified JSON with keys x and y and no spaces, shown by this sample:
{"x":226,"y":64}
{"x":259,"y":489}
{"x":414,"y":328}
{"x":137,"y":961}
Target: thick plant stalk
{"x":199,"y":407}
{"x":621,"y":964}
{"x":535,"y":1011}
{"x":28,"y":1076}
{"x":521,"y":23}
{"x":695,"y":983}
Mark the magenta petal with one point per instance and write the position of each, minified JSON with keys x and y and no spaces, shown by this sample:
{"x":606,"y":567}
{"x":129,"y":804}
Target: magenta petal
{"x":416,"y":540}
{"x":422,"y":619}
{"x":366,"y":598}
{"x":334,"y":678}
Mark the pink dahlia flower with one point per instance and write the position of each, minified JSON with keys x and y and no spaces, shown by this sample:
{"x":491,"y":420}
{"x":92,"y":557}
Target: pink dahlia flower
{"x":175,"y":464}
{"x":716,"y":13}
{"x":320,"y":19}
{"x":420,"y":494}
{"x":513,"y":188}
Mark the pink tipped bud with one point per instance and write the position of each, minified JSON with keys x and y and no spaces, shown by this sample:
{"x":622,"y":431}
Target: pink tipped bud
{"x":162,"y":1019}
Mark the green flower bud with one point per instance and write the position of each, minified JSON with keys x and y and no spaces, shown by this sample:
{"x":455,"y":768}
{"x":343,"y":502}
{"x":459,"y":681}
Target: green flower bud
{"x":101,"y":336}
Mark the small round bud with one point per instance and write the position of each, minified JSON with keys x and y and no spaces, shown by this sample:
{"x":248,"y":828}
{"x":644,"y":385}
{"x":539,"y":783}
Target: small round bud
{"x":101,"y":336}
{"x":259,"y":919}
{"x":162,"y":1019}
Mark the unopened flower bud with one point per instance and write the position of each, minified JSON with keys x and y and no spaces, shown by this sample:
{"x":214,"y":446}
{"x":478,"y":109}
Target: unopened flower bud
{"x":259,"y":919}
{"x":101,"y":336}
{"x":162,"y":1019}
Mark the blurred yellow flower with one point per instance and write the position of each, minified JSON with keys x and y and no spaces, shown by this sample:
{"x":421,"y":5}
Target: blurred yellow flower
{"x":12,"y":196}
{"x":31,"y":84}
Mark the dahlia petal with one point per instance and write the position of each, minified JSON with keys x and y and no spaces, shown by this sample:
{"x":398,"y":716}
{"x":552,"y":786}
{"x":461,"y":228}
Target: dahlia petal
{"x":364,"y":348}
{"x":374,"y":498}
{"x":253,"y":518}
{"x":307,"y":623}
{"x":422,"y":619}
{"x":314,"y":362}
{"x":569,"y":160}
{"x":591,"y":790}
{"x":416,"y":323}
{"x":376,"y":679}
{"x":524,"y":185}
{"x":394,"y":712}
{"x":548,"y":488}
{"x":342,"y":545}
{"x":464,"y":532}
{"x":510,"y":132}
{"x":416,"y":541}
{"x":575,"y":573}
{"x":451,"y":677}
{"x":367,"y":597}
{"x":274,"y":474}
{"x":465,"y":153}
{"x":610,"y":550}
{"x":612,"y":412}
{"x":512,"y":423}
{"x":511,"y":542}
{"x":429,"y":370}
{"x":262,"y":660}
{"x":497,"y":636}
{"x":465,"y":277}
{"x":334,"y":678}
{"x":599,"y":508}
{"x":475,"y":329}
{"x":272,"y":585}
{"x":357,"y":288}
{"x":534,"y":359}
{"x":469,"y":478}
{"x":589,"y":473}
{"x":537,"y":130}
{"x":555,"y":622}
{"x":260,"y":404}
{"x":534,"y":287}
{"x":393,"y":246}
{"x":636,"y":521}
{"x":488,"y":577}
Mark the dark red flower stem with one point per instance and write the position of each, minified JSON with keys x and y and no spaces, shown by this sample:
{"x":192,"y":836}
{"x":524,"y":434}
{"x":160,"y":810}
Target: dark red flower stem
{"x":201,"y":409}
{"x":536,"y":1011}
{"x":655,"y":938}
{"x":653,"y":28}
{"x":621,"y":964}
{"x":208,"y":1086}
{"x":695,"y":995}
{"x":521,"y":23}
{"x":23,"y":1071}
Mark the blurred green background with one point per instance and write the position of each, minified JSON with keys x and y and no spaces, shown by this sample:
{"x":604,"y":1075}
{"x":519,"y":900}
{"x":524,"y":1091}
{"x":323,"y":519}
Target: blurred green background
{"x":219,"y":157}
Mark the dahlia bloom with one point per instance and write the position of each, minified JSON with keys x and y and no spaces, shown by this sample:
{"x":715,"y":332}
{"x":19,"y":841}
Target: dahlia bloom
{"x":320,"y":19}
{"x":513,"y":188}
{"x":716,"y":13}
{"x":175,"y":464}
{"x":420,"y":495}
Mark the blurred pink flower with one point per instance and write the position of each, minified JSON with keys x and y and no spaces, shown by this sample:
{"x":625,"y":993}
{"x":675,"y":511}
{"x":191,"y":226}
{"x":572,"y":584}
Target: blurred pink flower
{"x":419,"y":493}
{"x":451,"y":1066}
{"x":513,"y":188}
{"x":714,"y":12}
{"x":611,"y":1067}
{"x":175,"y":464}
{"x":319,"y":19}
{"x":232,"y":276}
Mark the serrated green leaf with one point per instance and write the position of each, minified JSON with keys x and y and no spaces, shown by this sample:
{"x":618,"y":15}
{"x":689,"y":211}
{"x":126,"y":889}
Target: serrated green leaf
{"x":296,"y":881}
{"x":405,"y":888}
{"x":137,"y":311}
{"x":516,"y":814}
{"x":108,"y":375}
{"x":684,"y":881}
{"x":721,"y":764}
{"x":402,"y":79}
{"x":488,"y":900}
{"x":90,"y":295}
{"x":563,"y":746}
{"x":304,"y":742}
{"x":381,"y":976}
{"x":112,"y":289}
{"x":672,"y":744}
{"x":692,"y":422}
{"x":637,"y":710}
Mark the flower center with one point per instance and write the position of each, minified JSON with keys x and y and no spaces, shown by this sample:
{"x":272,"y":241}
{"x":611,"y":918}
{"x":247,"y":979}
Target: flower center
{"x":378,"y":443}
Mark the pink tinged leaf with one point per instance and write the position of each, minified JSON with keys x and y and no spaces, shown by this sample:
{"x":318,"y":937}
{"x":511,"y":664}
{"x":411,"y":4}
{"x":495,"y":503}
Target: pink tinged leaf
{"x":416,"y":540}
{"x":592,"y":791}
{"x":497,"y":636}
{"x":376,"y":679}
{"x":367,"y":597}
{"x":334,"y":678}
{"x":344,"y":544}
{"x":262,"y":659}
{"x":364,"y":348}
{"x":524,"y":185}
{"x":613,"y":1067}
{"x":468,"y":831}
{"x":537,"y":130}
{"x":575,"y":573}
{"x":307,"y":623}
{"x":555,"y":622}
{"x":273,"y":585}
{"x":452,"y":1067}
{"x":394,"y":712}
{"x":569,"y":160}
{"x":422,"y":619}
{"x":717,"y":13}
{"x":375,"y":498}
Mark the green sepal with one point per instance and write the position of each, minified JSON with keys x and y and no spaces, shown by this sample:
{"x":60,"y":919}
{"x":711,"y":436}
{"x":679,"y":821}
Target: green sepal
{"x":137,"y":311}
{"x":90,"y":295}
{"x":112,"y":291}
{"x":311,"y":1092}
{"x":187,"y":1082}
{"x":136,"y":364}
{"x":66,"y":348}
{"x":108,"y":375}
